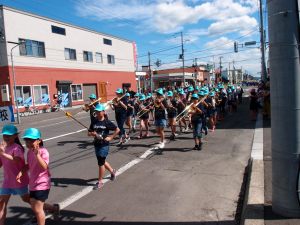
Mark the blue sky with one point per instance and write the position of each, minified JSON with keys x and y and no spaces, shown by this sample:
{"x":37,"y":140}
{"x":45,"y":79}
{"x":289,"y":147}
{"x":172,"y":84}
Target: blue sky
{"x":209,"y":26}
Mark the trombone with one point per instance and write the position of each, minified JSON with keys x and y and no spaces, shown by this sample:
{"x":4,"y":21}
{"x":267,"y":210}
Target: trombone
{"x":187,"y":109}
{"x":114,"y":100}
{"x":87,"y":106}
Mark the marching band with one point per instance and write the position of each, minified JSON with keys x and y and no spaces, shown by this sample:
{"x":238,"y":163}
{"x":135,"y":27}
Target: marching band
{"x":198,"y":108}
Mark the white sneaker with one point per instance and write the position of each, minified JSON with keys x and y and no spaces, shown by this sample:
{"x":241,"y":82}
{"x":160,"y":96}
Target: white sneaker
{"x":161,"y":145}
{"x":175,"y":134}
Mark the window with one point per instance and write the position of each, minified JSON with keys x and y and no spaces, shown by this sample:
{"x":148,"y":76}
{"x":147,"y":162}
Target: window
{"x":58,"y":30}
{"x":87,"y":56}
{"x":23,"y":95}
{"x":41,"y":94}
{"x":76,"y":92}
{"x":70,"y":54}
{"x":99,"y":58}
{"x":107,"y":41}
{"x":32,"y":48}
{"x":110,"y":59}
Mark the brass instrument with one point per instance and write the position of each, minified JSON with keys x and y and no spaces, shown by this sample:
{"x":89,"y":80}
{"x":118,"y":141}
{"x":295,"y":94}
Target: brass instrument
{"x":188,"y":108}
{"x":86,"y":107}
{"x":115,"y":100}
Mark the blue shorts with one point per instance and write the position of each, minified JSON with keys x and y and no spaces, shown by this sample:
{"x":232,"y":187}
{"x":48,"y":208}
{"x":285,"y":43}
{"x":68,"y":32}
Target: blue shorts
{"x":102,"y":151}
{"x":160,"y":123}
{"x":40,"y":195}
{"x":14,"y":191}
{"x":197,"y":127}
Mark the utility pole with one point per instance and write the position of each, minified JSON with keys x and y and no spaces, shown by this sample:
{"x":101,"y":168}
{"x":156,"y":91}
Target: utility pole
{"x":285,"y":91}
{"x":229,"y":74}
{"x":150,"y":72}
{"x":262,"y":44}
{"x":220,"y":69}
{"x":196,"y":70}
{"x":182,"y":57}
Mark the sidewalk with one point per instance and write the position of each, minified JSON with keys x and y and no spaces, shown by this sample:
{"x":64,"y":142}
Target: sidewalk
{"x":270,"y":217}
{"x":258,"y":201}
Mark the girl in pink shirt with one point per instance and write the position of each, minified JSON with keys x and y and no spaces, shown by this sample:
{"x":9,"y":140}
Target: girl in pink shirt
{"x":39,"y":174}
{"x":12,"y":161}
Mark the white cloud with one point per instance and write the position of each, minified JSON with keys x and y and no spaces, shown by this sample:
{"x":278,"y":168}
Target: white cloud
{"x":242,"y":24}
{"x":164,"y":16}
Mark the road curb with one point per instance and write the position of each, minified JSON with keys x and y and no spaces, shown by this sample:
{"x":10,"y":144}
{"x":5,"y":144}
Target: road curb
{"x":253,"y":209}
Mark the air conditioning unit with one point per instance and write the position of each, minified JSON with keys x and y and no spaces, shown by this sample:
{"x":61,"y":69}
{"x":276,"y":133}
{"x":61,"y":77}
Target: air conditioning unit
{"x":4,"y":92}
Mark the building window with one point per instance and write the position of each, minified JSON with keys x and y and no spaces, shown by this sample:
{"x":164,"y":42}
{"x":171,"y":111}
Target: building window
{"x":110,"y":59}
{"x":70,"y":54}
{"x":99,"y":58}
{"x":58,"y":30}
{"x":87,"y":56}
{"x":107,"y":41}
{"x":41,"y":94}
{"x":23,"y":95}
{"x":76,"y":92}
{"x":32,"y":48}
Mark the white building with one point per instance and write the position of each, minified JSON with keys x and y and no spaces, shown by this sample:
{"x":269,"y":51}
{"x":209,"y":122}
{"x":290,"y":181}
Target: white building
{"x":60,"y":58}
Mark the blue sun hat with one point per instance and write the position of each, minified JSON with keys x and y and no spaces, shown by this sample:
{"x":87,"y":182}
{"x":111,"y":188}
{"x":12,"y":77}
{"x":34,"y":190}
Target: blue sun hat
{"x":142,"y":97}
{"x":119,"y":91}
{"x":206,"y":92}
{"x":212,"y":94}
{"x":201,"y":93}
{"x":229,"y":91}
{"x":190,"y":88}
{"x":32,"y":133}
{"x":216,"y":89}
{"x":170,"y":94}
{"x":197,"y":88}
{"x":99,"y":108}
{"x":160,"y":91}
{"x":127,"y":95}
{"x":137,"y":94}
{"x":232,"y":87}
{"x":181,"y":92}
{"x":92,"y":96}
{"x":195,"y":96}
{"x":9,"y":129}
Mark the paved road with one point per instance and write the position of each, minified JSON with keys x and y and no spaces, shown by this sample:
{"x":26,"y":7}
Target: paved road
{"x":175,"y":186}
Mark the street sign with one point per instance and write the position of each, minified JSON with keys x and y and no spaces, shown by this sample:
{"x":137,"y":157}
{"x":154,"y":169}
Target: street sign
{"x":6,"y":115}
{"x":250,"y":43}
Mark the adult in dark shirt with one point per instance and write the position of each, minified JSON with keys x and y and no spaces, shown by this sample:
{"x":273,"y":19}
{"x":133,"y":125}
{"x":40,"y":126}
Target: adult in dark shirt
{"x":91,"y":108}
{"x":160,"y":122}
{"x":120,"y":107}
{"x":100,"y":131}
{"x":196,"y":120}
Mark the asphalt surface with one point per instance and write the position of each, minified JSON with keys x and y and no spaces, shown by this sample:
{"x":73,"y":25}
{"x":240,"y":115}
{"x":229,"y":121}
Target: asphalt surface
{"x":177,"y":185}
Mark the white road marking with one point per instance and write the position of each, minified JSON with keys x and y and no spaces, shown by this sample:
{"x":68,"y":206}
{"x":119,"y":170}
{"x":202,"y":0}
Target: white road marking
{"x":63,"y":135}
{"x":75,"y":197}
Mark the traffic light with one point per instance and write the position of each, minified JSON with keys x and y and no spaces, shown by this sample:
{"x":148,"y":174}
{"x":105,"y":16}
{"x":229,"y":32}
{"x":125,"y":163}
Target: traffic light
{"x":236,"y":47}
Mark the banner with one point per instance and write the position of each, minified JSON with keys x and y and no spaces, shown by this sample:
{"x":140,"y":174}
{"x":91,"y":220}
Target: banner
{"x":6,"y":115}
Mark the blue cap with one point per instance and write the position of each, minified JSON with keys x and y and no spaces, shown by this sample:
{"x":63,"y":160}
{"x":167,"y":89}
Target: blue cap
{"x":119,"y":91}
{"x":197,"y":88}
{"x":216,"y":89}
{"x":229,"y":90}
{"x":127,"y":95}
{"x":99,"y":108}
{"x":195,"y":96}
{"x":212,"y":94}
{"x":170,"y":94}
{"x":32,"y":133}
{"x":201,"y":93}
{"x":9,"y":129}
{"x":137,"y":94}
{"x":142,"y":97}
{"x":181,"y":92}
{"x":190,"y":88}
{"x":93,"y":96}
{"x":233,"y":87}
{"x":160,"y":91}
